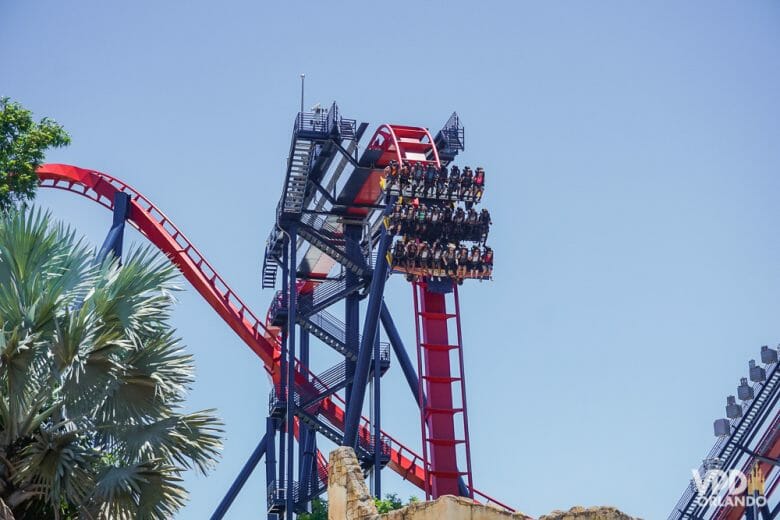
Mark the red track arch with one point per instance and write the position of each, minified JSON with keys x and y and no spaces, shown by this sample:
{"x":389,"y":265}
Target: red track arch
{"x":262,"y":339}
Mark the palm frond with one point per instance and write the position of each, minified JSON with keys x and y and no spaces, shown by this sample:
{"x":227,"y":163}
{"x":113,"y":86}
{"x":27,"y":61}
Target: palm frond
{"x":146,"y":490}
{"x":190,"y":440}
{"x":58,"y":463}
{"x":92,"y":379}
{"x":137,"y":297}
{"x":23,"y":372}
{"x":162,"y":358}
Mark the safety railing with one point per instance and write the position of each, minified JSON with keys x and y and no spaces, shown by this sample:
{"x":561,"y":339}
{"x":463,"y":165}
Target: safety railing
{"x":321,"y":123}
{"x":277,"y":495}
{"x":321,"y":224}
{"x":451,"y":138}
{"x":726,"y":449}
{"x":327,"y":290}
{"x":336,"y":328}
{"x":239,"y":309}
{"x":330,"y":324}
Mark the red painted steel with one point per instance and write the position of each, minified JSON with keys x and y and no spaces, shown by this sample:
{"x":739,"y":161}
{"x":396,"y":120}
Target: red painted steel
{"x":441,"y":384}
{"x":261,"y":338}
{"x":399,"y":143}
{"x":404,"y":143}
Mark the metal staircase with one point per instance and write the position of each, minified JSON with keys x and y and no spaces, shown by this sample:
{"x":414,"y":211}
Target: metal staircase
{"x":451,"y":139}
{"x":347,"y":129}
{"x":310,"y":132}
{"x":442,"y":382}
{"x":307,"y":399}
{"x":331,"y":331}
{"x":273,"y":252}
{"x":331,"y":241}
{"x":269,"y":271}
{"x":297,"y":176}
{"x":326,"y":294}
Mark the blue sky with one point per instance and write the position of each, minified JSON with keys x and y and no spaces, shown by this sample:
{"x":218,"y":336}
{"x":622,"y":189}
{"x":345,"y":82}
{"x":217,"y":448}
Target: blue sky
{"x":631,"y":154}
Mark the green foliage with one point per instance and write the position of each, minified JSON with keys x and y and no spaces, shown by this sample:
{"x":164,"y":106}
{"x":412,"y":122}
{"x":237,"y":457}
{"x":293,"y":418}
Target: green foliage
{"x":391,"y":502}
{"x":319,"y":510}
{"x":92,"y":381}
{"x":23,"y":143}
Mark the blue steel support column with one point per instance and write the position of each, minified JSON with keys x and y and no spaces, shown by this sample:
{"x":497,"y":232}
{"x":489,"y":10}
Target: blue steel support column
{"x":241,"y":479}
{"x":358,"y":393}
{"x":410,"y":373}
{"x":303,"y":359}
{"x":309,"y":476}
{"x":377,"y":418}
{"x":352,"y":233}
{"x":114,"y":239}
{"x":305,"y":431}
{"x":290,"y":415}
{"x":313,"y":473}
{"x":283,"y":360}
{"x":270,"y":454}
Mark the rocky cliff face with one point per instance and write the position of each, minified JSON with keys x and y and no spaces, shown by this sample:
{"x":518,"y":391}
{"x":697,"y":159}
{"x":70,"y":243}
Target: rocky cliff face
{"x":590,"y":513}
{"x":349,"y":499}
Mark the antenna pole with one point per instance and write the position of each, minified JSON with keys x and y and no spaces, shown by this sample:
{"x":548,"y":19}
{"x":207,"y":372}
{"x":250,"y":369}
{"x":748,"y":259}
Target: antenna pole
{"x":303,"y":77}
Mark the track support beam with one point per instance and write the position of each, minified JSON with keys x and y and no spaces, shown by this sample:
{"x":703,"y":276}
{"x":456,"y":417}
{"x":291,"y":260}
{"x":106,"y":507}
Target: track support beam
{"x":241,"y":479}
{"x":376,"y":295}
{"x":292,"y":301}
{"x":114,"y":239}
{"x":410,"y":373}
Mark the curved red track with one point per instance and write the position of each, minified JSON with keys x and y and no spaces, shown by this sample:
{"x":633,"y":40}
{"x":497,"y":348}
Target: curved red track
{"x":262,"y":339}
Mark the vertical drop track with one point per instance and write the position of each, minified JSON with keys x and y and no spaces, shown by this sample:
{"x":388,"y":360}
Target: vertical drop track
{"x":443,"y":412}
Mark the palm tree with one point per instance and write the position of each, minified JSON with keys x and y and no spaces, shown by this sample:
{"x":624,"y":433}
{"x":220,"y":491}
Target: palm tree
{"x":92,"y":381}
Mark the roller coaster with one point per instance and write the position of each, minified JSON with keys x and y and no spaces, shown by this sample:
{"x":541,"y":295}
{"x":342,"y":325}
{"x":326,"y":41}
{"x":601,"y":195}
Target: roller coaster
{"x":332,"y":241}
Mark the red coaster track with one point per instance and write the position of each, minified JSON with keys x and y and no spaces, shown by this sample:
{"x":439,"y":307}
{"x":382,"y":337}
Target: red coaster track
{"x":262,"y":339}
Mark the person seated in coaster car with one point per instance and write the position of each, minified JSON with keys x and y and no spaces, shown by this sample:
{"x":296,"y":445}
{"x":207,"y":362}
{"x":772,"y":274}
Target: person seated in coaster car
{"x":446,"y":221}
{"x":396,"y":218}
{"x":487,"y":262}
{"x":391,"y":182}
{"x":403,"y":178}
{"x":479,"y":183}
{"x":475,"y":262}
{"x":386,"y":178}
{"x":462,"y":258}
{"x":424,"y":254}
{"x":430,"y":180}
{"x":399,"y":253}
{"x":429,"y":218}
{"x":410,"y":254}
{"x":472,"y":229}
{"x":437,"y":259}
{"x":418,"y":178}
{"x":458,"y":218}
{"x":454,"y":185}
{"x":484,"y":224}
{"x":441,"y":187}
{"x":409,"y":217}
{"x":449,"y":257}
{"x":466,"y":182}
{"x":420,"y":226}
{"x":434,"y":222}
